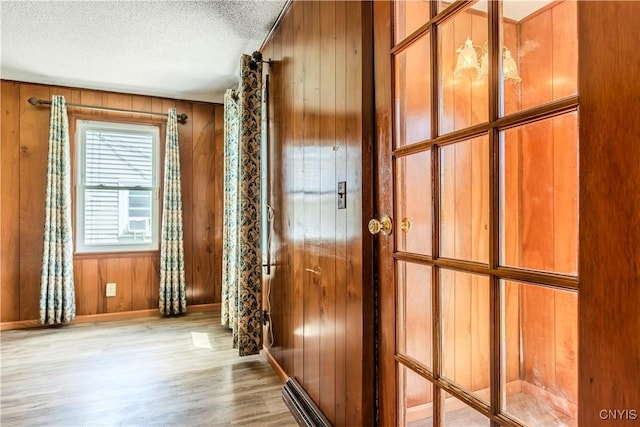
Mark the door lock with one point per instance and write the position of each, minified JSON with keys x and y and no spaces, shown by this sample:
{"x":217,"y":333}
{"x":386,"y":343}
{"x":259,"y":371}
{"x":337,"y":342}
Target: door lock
{"x":383,"y":226}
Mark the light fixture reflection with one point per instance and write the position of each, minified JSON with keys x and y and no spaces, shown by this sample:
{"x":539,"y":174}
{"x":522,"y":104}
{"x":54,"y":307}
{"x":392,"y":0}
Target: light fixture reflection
{"x":468,"y":60}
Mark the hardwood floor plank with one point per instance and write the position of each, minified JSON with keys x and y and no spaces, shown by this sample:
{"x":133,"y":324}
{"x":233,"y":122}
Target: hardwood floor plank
{"x":145,"y":372}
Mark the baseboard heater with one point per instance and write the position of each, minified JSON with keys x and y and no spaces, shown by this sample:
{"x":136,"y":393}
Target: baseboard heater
{"x":301,"y":406}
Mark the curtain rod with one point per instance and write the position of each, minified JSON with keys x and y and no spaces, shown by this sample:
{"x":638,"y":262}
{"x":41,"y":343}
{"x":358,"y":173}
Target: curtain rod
{"x":182,"y":118}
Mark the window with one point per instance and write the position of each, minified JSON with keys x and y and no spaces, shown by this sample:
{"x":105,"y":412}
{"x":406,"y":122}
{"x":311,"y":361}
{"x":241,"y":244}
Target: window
{"x":117,"y":187}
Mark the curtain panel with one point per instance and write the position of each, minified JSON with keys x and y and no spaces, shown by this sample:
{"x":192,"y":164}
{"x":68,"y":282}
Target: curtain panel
{"x":228,"y":311}
{"x":173,"y":297}
{"x":57,"y":294}
{"x":242,"y":254}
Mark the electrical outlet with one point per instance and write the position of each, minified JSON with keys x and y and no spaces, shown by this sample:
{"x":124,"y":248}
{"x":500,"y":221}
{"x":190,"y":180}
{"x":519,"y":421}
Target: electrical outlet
{"x":111,"y":289}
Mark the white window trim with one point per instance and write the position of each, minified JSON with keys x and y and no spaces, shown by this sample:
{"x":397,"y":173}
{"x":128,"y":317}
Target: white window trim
{"x":81,"y":128}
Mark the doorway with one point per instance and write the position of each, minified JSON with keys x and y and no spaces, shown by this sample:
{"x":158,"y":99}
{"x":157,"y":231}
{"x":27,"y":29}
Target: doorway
{"x":477,"y":118}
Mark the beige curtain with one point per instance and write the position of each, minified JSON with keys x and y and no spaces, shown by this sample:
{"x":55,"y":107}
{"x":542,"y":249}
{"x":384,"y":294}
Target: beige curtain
{"x":57,"y":294}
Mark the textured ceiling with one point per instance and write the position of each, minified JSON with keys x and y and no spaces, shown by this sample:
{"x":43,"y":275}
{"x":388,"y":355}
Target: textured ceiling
{"x":177,"y":49}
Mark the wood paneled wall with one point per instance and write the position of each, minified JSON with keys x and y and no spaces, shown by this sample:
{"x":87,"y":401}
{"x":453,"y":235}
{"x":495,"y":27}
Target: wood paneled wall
{"x":24,"y":158}
{"x":321,"y":134}
{"x":609,"y":254}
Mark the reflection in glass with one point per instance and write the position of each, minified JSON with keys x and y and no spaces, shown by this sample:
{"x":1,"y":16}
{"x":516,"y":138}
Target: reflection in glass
{"x":413,"y":202}
{"x":414,"y":311}
{"x":413,"y":93}
{"x":415,"y":399}
{"x":539,"y":195}
{"x":465,"y":331}
{"x":464,"y":200}
{"x":457,"y":414}
{"x":543,"y":42}
{"x":540,"y":370}
{"x":409,"y":16}
{"x":464,"y":96}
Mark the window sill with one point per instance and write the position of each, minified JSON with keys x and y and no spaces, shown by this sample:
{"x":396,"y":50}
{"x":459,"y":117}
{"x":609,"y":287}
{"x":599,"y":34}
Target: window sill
{"x":127,"y":254}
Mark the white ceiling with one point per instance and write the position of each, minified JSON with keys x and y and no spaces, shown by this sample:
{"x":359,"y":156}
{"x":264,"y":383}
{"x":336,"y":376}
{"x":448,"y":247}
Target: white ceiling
{"x":177,"y":49}
{"x":515,"y":9}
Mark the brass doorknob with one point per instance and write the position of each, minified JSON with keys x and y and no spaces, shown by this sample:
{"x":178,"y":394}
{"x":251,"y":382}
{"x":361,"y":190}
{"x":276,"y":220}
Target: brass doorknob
{"x":405,"y":225}
{"x":383,"y":226}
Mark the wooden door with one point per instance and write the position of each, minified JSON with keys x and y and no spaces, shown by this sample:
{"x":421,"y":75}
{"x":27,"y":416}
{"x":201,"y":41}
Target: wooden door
{"x":477,"y":157}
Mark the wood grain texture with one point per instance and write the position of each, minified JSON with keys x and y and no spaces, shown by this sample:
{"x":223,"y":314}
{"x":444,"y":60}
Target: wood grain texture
{"x":25,"y":135}
{"x":387,"y":381}
{"x":295,"y":182}
{"x":342,"y":248}
{"x":215,"y":291}
{"x":150,"y":371}
{"x":87,"y":286}
{"x":145,"y":280}
{"x":319,"y":127}
{"x":185,"y":140}
{"x":537,"y":69}
{"x":204,"y":202}
{"x":328,"y":209}
{"x":609,"y":348}
{"x":34,"y":143}
{"x":10,"y":202}
{"x":312,"y":275}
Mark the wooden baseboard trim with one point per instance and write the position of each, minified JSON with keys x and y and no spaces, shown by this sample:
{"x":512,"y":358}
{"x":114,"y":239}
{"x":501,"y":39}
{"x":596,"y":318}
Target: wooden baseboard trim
{"x":275,"y":365}
{"x":204,"y":307}
{"x":24,"y":324}
{"x":19,"y":324}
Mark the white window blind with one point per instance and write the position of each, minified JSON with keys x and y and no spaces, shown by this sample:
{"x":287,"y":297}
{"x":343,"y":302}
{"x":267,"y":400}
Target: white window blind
{"x":117,"y":208}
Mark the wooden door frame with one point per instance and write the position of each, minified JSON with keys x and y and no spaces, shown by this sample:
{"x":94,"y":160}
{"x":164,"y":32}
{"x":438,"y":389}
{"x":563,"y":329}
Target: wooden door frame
{"x":609,"y":170}
{"x":386,"y":378}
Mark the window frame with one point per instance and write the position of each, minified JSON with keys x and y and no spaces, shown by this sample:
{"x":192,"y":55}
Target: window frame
{"x":84,"y":125}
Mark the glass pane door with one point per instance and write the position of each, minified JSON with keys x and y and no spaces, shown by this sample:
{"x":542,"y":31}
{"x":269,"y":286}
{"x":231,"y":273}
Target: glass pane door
{"x":485,"y":157}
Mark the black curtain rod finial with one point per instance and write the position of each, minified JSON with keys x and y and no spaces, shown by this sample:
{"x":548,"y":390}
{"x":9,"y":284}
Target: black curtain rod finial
{"x":33,"y":101}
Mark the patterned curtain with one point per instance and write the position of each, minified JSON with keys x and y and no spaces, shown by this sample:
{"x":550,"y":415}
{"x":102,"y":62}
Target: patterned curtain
{"x":242,"y":275}
{"x":57,"y":294}
{"x":228,"y":315}
{"x":173,"y":298}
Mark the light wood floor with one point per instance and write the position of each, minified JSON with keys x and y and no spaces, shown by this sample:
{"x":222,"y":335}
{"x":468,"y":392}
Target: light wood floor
{"x":142,"y":372}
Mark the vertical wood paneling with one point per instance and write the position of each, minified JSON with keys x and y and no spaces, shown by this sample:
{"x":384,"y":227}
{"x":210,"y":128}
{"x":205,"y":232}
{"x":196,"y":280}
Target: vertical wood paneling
{"x":353,"y":138}
{"x":204,"y":196}
{"x":9,"y":202}
{"x":312,"y":193}
{"x":548,"y":202}
{"x":118,"y":271}
{"x":94,"y":98}
{"x":87,"y":286}
{"x":34,"y":143}
{"x":319,"y":129}
{"x":565,"y":234}
{"x":609,"y":251}
{"x":185,"y":135}
{"x":564,"y":48}
{"x":536,"y":78}
{"x":143,"y":285}
{"x":341,"y":214}
{"x":24,"y":156}
{"x":295,"y":183}
{"x":281,"y":175}
{"x":538,"y":335}
{"x":119,"y":100}
{"x":328,"y":208}
{"x":217,"y":203}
